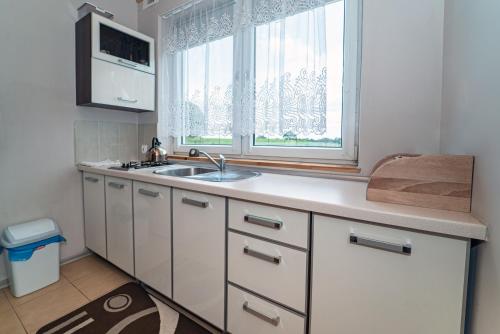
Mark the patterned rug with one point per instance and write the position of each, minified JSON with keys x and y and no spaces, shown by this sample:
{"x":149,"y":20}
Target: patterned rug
{"x":126,"y":310}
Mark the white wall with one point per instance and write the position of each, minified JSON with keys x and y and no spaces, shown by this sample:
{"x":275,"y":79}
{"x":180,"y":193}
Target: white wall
{"x":37,"y":112}
{"x":471,"y":125}
{"x":401,"y":81}
{"x":401,"y":75}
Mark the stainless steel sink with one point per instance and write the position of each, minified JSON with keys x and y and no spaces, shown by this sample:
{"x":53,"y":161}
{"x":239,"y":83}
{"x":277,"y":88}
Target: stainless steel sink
{"x":184,"y":172}
{"x":226,"y":176}
{"x":208,"y":174}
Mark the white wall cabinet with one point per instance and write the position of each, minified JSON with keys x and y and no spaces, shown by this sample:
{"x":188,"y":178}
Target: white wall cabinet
{"x":119,"y":223}
{"x":115,"y":66}
{"x":199,"y":252}
{"x":120,"y":86}
{"x":372,"y":279}
{"x":94,"y":213}
{"x":152,"y":235}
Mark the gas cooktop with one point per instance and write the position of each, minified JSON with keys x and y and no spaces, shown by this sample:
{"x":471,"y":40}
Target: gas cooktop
{"x":141,"y":165}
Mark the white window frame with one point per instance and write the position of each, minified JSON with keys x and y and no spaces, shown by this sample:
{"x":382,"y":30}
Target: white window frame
{"x":243,"y":145}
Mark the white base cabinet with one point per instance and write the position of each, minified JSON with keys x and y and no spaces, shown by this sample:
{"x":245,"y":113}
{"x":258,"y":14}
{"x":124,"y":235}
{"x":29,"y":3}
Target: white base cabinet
{"x":94,"y":213}
{"x":119,"y":223}
{"x":152,"y":236}
{"x":199,"y":251}
{"x":378,"y":280}
{"x":365,"y":278}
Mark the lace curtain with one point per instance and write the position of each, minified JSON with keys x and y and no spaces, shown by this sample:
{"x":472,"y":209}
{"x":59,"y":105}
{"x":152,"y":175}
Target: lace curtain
{"x":243,"y":67}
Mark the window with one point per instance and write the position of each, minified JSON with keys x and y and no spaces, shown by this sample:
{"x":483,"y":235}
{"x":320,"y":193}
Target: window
{"x":208,"y":73}
{"x":262,"y":78}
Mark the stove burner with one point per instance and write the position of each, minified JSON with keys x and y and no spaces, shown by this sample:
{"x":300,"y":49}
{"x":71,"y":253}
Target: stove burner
{"x":140,"y":165}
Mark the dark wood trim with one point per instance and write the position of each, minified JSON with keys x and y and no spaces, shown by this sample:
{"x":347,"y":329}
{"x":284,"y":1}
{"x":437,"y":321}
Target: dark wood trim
{"x":83,"y":57}
{"x":109,"y":106}
{"x":280,"y":164}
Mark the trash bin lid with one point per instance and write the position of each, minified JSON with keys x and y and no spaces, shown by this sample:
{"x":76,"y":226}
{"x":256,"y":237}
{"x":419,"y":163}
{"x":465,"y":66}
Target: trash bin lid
{"x":32,"y":231}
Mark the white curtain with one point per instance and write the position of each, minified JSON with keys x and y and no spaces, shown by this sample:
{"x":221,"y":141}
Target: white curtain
{"x":244,"y":67}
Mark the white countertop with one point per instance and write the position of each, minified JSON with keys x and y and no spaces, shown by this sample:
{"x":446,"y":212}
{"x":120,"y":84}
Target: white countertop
{"x":325,"y":196}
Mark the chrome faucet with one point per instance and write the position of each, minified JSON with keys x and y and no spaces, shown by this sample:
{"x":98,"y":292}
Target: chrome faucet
{"x":222,"y":161}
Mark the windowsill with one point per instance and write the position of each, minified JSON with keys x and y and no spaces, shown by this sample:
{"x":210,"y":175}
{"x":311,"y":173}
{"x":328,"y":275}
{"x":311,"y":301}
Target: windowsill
{"x":334,"y":168}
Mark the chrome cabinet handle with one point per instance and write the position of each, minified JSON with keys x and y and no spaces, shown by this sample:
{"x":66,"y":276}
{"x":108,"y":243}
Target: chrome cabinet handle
{"x":404,"y":249}
{"x":123,"y":99}
{"x":273,"y":321}
{"x":193,"y":202}
{"x":262,"y":256}
{"x":91,"y":179}
{"x":266,"y":222}
{"x":124,"y":62}
{"x":116,"y":185}
{"x":149,"y":193}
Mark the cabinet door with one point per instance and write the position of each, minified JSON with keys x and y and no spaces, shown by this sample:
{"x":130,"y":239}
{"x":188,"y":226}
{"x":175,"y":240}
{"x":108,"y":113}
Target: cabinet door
{"x":119,"y":223}
{"x":199,"y":251}
{"x":95,"y":213}
{"x":152,"y":236}
{"x":378,"y":280}
{"x":121,"y":86}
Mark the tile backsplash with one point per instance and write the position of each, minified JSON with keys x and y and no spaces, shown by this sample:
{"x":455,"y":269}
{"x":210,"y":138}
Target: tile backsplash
{"x":101,"y":140}
{"x":146,"y":134}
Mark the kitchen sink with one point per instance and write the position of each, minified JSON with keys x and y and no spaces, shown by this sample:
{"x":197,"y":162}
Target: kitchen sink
{"x":208,"y":174}
{"x":185,"y":172}
{"x":226,"y":176}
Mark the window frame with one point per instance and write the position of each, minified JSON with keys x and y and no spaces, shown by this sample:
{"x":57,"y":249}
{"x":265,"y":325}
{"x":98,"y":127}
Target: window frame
{"x":243,"y":145}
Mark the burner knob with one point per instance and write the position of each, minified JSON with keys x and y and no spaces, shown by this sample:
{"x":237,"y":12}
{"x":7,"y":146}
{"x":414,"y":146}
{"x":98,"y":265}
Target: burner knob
{"x":124,"y":165}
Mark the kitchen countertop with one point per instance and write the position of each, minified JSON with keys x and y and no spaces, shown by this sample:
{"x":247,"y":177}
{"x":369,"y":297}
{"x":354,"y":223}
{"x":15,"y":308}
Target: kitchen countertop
{"x":325,"y":196}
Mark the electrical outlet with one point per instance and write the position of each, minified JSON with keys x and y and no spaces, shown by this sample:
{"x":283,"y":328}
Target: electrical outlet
{"x":144,"y":149}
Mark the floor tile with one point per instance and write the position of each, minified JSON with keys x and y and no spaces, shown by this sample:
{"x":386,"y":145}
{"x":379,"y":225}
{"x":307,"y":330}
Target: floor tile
{"x":101,"y":282}
{"x":4,"y":302}
{"x":49,"y":307}
{"x":16,"y":301}
{"x":10,"y":324}
{"x":83,"y":267}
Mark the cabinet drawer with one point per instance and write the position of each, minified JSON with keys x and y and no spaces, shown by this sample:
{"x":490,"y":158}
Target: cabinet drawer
{"x":374,"y":279}
{"x":248,"y":314}
{"x":287,"y":226}
{"x":277,"y":272}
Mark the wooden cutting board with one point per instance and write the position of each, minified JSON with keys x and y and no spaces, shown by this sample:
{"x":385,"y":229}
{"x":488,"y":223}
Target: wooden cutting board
{"x":431,"y":181}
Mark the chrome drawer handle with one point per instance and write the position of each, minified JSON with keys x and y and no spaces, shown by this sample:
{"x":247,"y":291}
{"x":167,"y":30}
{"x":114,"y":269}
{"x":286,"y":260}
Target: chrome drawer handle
{"x":124,"y":99}
{"x":273,"y":321}
{"x":262,"y":256}
{"x":124,"y":62}
{"x":116,"y":185}
{"x":91,"y":179}
{"x":193,"y":202}
{"x":149,"y":193}
{"x":266,"y":222}
{"x":404,"y":249}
